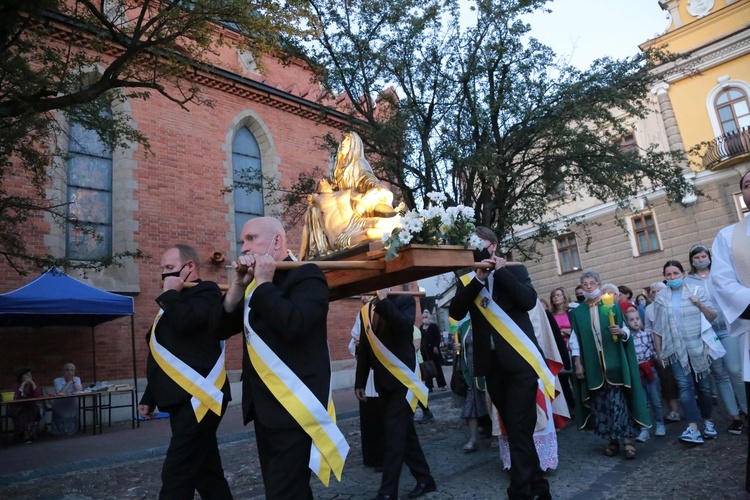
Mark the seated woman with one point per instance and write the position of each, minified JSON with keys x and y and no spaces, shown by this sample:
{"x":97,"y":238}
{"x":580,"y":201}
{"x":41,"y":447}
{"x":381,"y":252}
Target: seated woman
{"x":25,"y":415}
{"x":65,"y":411}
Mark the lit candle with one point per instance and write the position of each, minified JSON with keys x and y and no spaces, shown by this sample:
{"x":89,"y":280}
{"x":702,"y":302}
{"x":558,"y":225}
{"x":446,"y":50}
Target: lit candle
{"x":608,"y":299}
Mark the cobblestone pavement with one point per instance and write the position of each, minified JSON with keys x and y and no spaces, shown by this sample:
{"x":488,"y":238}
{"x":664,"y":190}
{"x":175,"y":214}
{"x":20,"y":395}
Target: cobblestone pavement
{"x":664,"y":468}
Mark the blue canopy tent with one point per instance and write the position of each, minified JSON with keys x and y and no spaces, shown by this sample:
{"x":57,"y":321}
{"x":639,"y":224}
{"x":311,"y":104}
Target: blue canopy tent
{"x":56,"y":299}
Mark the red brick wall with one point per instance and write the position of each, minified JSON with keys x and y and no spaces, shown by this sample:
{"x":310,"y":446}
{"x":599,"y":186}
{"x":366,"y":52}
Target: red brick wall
{"x":179,"y":201}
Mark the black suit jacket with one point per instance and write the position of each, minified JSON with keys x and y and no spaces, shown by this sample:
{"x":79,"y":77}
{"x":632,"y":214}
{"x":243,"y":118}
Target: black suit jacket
{"x":395,"y":329}
{"x":187,"y":329}
{"x":513,"y":292}
{"x":290,"y":315}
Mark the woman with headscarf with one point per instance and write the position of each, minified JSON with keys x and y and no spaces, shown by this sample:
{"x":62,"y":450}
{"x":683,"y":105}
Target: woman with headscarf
{"x":678,"y":316}
{"x":727,"y":370}
{"x":609,"y":394}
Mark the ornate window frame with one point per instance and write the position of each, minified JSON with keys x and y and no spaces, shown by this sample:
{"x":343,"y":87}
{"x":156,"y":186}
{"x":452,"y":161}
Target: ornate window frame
{"x":125,"y":279}
{"x":269,"y":161}
{"x":724,"y":84}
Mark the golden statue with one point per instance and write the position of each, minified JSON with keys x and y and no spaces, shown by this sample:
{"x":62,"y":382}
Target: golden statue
{"x":352,"y":208}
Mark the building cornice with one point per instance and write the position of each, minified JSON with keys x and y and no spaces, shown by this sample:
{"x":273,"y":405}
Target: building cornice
{"x":223,"y":80}
{"x":698,"y":179}
{"x":707,"y":56}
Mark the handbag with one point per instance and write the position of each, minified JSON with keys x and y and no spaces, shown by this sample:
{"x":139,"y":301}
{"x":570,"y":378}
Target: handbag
{"x":429,"y":370}
{"x":458,"y":382}
{"x":715,"y":348}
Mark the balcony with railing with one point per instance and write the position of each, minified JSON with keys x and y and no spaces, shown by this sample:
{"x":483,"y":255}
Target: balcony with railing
{"x":724,"y":148}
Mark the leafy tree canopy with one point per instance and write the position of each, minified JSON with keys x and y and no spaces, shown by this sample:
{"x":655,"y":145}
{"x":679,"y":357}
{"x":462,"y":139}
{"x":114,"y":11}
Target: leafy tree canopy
{"x":64,"y":60}
{"x":487,"y":114}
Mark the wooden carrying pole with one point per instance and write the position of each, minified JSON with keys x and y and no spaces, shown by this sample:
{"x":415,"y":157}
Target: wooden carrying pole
{"x":330,"y":265}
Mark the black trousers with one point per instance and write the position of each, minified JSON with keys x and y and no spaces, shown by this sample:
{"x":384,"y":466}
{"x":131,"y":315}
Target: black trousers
{"x":371,"y":426}
{"x":401,"y":443}
{"x":284,"y":462}
{"x":193,"y":462}
{"x":514,"y":396}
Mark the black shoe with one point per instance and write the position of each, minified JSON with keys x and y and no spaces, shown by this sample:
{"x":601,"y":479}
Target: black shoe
{"x":736,"y":428}
{"x":422,"y":489}
{"x":426,"y":417}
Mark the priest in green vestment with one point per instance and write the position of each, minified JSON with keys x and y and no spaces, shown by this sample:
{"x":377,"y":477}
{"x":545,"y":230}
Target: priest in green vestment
{"x":608,"y":391}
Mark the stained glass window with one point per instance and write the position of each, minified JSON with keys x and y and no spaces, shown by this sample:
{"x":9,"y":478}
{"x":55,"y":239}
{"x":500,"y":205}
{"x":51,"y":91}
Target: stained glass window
{"x":248,"y":181}
{"x":89,"y":195}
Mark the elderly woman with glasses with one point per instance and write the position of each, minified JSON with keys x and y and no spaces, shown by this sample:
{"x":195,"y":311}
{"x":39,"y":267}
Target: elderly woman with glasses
{"x":608,"y":390}
{"x":65,"y":411}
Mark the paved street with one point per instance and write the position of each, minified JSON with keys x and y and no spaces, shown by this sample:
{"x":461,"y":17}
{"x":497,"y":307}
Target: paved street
{"x":665,"y":468}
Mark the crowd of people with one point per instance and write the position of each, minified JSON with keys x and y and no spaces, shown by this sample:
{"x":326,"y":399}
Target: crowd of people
{"x":609,"y":358}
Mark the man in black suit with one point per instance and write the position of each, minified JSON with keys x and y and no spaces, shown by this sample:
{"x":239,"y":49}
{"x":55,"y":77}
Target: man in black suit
{"x":393,"y":324}
{"x":186,"y":329}
{"x":288,"y":311}
{"x":511,"y":381}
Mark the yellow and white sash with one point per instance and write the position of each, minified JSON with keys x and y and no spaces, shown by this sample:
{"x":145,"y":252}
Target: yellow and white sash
{"x":512,"y":333}
{"x":206,"y":391}
{"x":416,"y":390}
{"x":329,"y":447}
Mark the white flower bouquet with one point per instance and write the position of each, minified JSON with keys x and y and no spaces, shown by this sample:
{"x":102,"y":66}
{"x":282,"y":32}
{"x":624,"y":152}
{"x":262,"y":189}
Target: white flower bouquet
{"x":433,"y":225}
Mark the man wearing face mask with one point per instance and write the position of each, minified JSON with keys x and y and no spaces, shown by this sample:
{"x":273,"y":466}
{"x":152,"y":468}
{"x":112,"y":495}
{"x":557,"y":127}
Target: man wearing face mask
{"x":506,"y":353}
{"x":286,"y":363}
{"x":185,"y":368}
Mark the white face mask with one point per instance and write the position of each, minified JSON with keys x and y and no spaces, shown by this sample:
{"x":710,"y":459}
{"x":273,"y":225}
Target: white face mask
{"x":703,"y":264}
{"x":592,"y":295}
{"x":273,"y":240}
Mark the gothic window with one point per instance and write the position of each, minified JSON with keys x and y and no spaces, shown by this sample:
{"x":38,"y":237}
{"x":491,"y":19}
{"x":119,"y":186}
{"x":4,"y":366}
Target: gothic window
{"x":89,"y":194}
{"x":732,"y":109}
{"x":248,"y":181}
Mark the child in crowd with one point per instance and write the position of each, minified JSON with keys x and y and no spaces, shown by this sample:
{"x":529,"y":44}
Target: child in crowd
{"x":646,"y":355}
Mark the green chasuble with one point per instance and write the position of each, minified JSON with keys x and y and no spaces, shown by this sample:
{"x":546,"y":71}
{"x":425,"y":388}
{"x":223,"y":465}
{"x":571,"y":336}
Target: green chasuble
{"x":463,"y":329}
{"x":619,"y":360}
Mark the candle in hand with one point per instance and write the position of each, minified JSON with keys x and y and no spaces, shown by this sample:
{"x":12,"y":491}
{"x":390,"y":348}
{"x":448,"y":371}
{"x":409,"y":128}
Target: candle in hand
{"x":608,"y":299}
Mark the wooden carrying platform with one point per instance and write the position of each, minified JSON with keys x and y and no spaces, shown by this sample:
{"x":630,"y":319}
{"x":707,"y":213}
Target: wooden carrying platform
{"x":414,"y":262}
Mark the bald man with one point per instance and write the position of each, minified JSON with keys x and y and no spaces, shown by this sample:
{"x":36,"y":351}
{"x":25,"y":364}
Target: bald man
{"x":287,"y":310}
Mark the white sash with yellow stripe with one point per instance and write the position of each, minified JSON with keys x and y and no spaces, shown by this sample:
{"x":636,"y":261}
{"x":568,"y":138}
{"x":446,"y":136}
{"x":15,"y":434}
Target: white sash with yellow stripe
{"x":205,"y":391}
{"x":512,"y":333}
{"x":416,"y":390}
{"x":329,"y":447}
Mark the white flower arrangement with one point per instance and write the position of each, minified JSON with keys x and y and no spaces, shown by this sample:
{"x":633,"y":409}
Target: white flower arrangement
{"x":433,"y":225}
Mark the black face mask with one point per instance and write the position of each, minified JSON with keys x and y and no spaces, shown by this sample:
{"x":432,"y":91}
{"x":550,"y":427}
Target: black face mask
{"x":480,"y":255}
{"x":580,"y":298}
{"x":176,"y":274}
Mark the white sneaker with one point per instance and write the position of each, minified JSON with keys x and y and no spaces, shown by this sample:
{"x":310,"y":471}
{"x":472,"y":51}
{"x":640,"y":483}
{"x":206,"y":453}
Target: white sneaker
{"x":643,"y":436}
{"x":660,"y":430}
{"x":709,"y":432}
{"x":691,"y":436}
